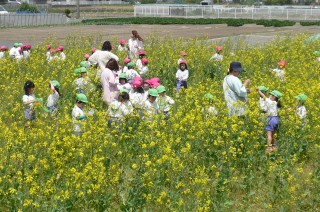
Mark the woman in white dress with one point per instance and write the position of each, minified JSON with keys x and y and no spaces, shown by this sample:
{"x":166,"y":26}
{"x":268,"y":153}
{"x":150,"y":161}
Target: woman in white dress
{"x":135,"y":44}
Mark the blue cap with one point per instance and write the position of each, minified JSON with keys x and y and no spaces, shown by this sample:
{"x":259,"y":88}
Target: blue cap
{"x":236,"y":66}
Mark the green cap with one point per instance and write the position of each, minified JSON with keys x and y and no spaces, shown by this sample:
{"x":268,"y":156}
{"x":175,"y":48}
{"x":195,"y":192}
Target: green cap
{"x":161,"y":89}
{"x":83,"y":64}
{"x":55,"y":83}
{"x":123,"y":76}
{"x":153,"y":92}
{"x":83,"y":70}
{"x":263,"y":88}
{"x":302,"y":97}
{"x":19,"y":44}
{"x":131,"y":64}
{"x":276,"y":94}
{"x":124,"y":91}
{"x":82,"y":98}
{"x":316,"y":53}
{"x":208,"y":96}
{"x":16,"y":44}
{"x":77,"y":71}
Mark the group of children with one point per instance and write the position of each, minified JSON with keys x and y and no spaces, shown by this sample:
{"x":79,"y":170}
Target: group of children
{"x":55,"y":54}
{"x":18,"y":51}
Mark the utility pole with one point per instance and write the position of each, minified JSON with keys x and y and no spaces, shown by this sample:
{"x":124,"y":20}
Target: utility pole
{"x":78,"y":9}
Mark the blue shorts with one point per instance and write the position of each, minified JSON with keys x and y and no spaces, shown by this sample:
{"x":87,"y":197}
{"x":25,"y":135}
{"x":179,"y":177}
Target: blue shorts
{"x":273,"y":123}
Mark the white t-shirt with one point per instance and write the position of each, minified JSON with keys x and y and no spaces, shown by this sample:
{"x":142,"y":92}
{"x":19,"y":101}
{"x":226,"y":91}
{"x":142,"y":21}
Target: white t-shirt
{"x":131,"y":73}
{"x":53,"y":99}
{"x":12,"y":51}
{"x":26,"y":54}
{"x":217,"y":57}
{"x":122,"y":48}
{"x":262,"y":104}
{"x":77,"y":112}
{"x":126,"y":86}
{"x":151,"y":109}
{"x":182,"y":75}
{"x":2,"y":55}
{"x":27,"y":98}
{"x":144,"y":70}
{"x":119,"y":110}
{"x":137,"y":99}
{"x":80,"y":83}
{"x":139,"y":64}
{"x":272,"y":108}
{"x":48,"y":55}
{"x":164,"y":103}
{"x":62,"y":56}
{"x":301,"y":112}
{"x":101,"y":58}
{"x":279,"y":73}
{"x":235,"y":95}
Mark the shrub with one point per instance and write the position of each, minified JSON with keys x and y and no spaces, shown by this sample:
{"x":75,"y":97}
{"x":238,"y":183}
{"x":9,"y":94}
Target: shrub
{"x":25,"y":7}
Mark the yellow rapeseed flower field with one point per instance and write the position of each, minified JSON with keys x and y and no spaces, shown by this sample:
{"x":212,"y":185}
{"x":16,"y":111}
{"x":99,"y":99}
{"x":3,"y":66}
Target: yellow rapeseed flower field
{"x":193,"y":162}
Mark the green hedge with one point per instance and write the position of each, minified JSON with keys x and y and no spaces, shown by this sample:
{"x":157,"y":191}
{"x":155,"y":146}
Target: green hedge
{"x":152,"y":20}
{"x":310,"y":23}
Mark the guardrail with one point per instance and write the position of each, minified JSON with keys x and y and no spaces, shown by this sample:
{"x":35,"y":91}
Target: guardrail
{"x":11,"y":19}
{"x":195,"y":11}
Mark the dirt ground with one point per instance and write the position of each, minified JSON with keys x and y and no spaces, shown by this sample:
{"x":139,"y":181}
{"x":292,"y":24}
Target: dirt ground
{"x":253,"y":33}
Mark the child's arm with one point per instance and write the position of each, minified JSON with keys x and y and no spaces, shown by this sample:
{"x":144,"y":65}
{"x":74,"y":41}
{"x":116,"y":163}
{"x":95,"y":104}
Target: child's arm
{"x":261,"y":94}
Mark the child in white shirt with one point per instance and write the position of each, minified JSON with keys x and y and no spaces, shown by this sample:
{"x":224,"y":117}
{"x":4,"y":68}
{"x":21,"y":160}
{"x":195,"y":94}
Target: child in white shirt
{"x":182,"y":75}
{"x":144,"y":69}
{"x":142,"y":55}
{"x":3,"y":50}
{"x":48,"y":48}
{"x":123,"y":82}
{"x":164,"y":102}
{"x":217,"y":56}
{"x":122,"y":46}
{"x":29,"y":100}
{"x":262,"y":102}
{"x":61,"y":55}
{"x":81,"y":84}
{"x":131,"y":73}
{"x":317,"y":55}
{"x":53,"y":98}
{"x":78,"y":114}
{"x":280,"y":70}
{"x":210,"y":110}
{"x":301,"y":110}
{"x":151,"y":108}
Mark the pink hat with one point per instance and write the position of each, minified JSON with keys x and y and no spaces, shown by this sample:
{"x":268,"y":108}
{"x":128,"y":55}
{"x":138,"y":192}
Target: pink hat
{"x":154,"y":84}
{"x":60,"y":48}
{"x":3,"y":48}
{"x":93,"y":50}
{"x":122,"y":42}
{"x":147,"y":81}
{"x":136,"y":84}
{"x":183,"y":62}
{"x":282,"y":63}
{"x":218,"y":48}
{"x":86,"y":56}
{"x":48,"y":47}
{"x":155,"y":79}
{"x":126,"y":60}
{"x":28,"y":46}
{"x":142,"y":52}
{"x":183,"y":53}
{"x":144,"y":60}
{"x":138,"y":79}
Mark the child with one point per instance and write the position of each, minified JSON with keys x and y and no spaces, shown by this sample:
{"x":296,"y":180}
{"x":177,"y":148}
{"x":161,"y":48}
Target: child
{"x":137,"y":97}
{"x":61,"y":55}
{"x":151,"y":107}
{"x":144,"y":70}
{"x":131,"y":73}
{"x":142,"y":54}
{"x":217,"y":56}
{"x":85,"y":64}
{"x":125,"y":66}
{"x":48,"y":48}
{"x":183,"y":57}
{"x":123,"y":82}
{"x":317,"y":55}
{"x":122,"y":46}
{"x":210,"y":110}
{"x":301,"y":110}
{"x":164,"y":102}
{"x":182,"y":75}
{"x":82,"y":82}
{"x":280,"y":70}
{"x":29,"y":101}
{"x":272,"y":105}
{"x":13,"y":51}
{"x":78,"y":114}
{"x":120,"y":108}
{"x":3,"y":50}
{"x":53,"y":98}
{"x":146,"y":87}
{"x":262,"y":103}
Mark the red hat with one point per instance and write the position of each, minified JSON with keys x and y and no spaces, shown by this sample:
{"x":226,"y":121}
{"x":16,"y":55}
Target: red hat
{"x":138,"y":79}
{"x":218,"y":48}
{"x":136,"y":84}
{"x":60,"y":48}
{"x":142,"y":52}
{"x":126,"y":60}
{"x":183,"y":53}
{"x":154,"y":84}
{"x":86,"y":56}
{"x":282,"y":63}
{"x":122,"y":42}
{"x":147,"y":81}
{"x":183,"y":62}
{"x":3,"y":48}
{"x":93,"y":50}
{"x":48,"y":47}
{"x":144,"y":60}
{"x":155,"y":79}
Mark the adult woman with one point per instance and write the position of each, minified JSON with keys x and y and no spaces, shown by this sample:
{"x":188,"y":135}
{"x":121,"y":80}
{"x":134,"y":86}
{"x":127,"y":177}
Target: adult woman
{"x":235,"y":93}
{"x":108,"y":81}
{"x":101,"y":58}
{"x":135,"y":44}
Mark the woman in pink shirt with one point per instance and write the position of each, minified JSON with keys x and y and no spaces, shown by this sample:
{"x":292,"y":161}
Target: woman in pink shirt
{"x":108,"y":82}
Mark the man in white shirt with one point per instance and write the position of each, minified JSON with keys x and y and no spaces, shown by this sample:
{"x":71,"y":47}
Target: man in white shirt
{"x":101,"y":58}
{"x":235,"y":93}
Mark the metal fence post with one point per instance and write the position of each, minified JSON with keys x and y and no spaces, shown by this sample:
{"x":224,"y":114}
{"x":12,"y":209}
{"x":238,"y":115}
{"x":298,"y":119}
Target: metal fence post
{"x":287,"y":14}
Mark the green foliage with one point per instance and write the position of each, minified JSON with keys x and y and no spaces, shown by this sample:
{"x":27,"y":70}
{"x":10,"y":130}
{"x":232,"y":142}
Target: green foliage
{"x":275,"y":23}
{"x":310,"y":23}
{"x":28,"y":8}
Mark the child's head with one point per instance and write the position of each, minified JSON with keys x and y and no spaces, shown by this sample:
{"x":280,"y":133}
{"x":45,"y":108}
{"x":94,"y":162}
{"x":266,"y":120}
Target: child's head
{"x":56,"y":85}
{"x":81,"y":100}
{"x":131,"y":65}
{"x":83,"y":72}
{"x":219,"y":49}
{"x":316,"y":53}
{"x":161,"y":90}
{"x":275,"y":96}
{"x":29,"y":87}
{"x":183,"y":65}
{"x":144,"y":61}
{"x":60,"y":48}
{"x":124,"y":95}
{"x":153,"y":94}
{"x":183,"y":54}
{"x":208,"y":97}
{"x":146,"y":85}
{"x":282,"y":64}
{"x":48,"y":47}
{"x":123,"y":78}
{"x":263,"y":89}
{"x":86,"y":56}
{"x":3,"y":48}
{"x":126,"y":61}
{"x":301,"y":98}
{"x":142,"y":53}
{"x":122,"y":42}
{"x":93,"y":50}
{"x":83,"y":64}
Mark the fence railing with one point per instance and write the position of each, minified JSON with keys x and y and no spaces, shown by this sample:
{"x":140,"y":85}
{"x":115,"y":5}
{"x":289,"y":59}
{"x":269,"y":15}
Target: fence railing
{"x":10,"y":20}
{"x":196,"y":11}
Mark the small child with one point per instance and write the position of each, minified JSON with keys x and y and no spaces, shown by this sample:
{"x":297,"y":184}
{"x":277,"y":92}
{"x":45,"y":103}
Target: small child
{"x":262,"y":102}
{"x":78,"y":114}
{"x":123,"y":82}
{"x":146,"y":87}
{"x":122,"y":46}
{"x":137,"y":97}
{"x":280,"y":70}
{"x":3,"y":50}
{"x":151,"y":107}
{"x":14,"y":50}
{"x":182,"y":75}
{"x":142,"y":55}
{"x":29,"y":100}
{"x":183,"y":57}
{"x":131,"y":73}
{"x":272,"y":105}
{"x":82,"y":82}
{"x":53,"y":98}
{"x":164,"y":102}
{"x":62,"y":55}
{"x":217,"y":56}
{"x":317,"y":55}
{"x":301,"y":110}
{"x":26,"y":49}
{"x":120,"y":108}
{"x":210,"y":110}
{"x":144,"y":70}
{"x":48,"y":48}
